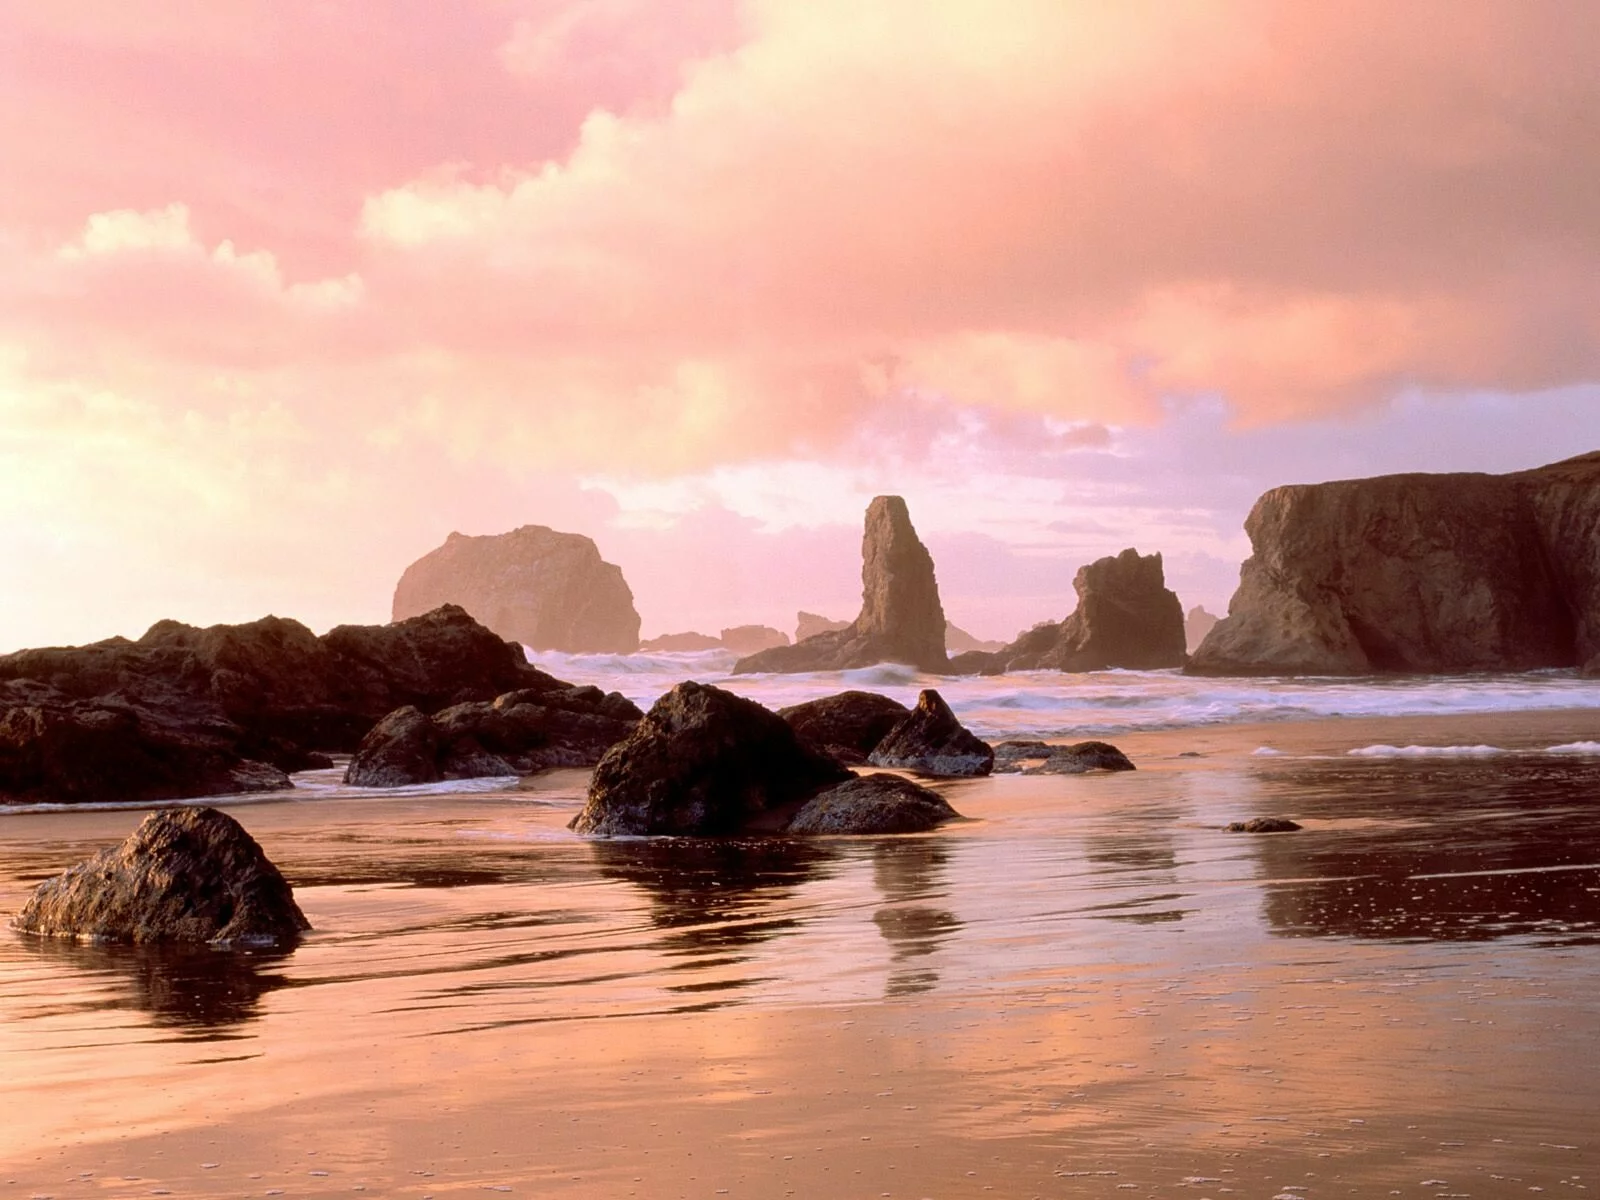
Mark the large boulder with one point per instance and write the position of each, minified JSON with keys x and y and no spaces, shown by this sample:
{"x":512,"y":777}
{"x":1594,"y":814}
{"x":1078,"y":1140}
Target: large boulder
{"x":1418,"y":574}
{"x":930,"y":741}
{"x":517,"y":734}
{"x":545,"y":589}
{"x":873,"y":804}
{"x":1126,"y":617}
{"x":848,"y":725}
{"x":901,"y":619}
{"x":704,"y":761}
{"x":187,"y":875}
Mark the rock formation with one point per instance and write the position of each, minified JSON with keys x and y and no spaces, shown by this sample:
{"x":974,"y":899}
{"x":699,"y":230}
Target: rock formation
{"x":931,"y":741}
{"x":901,"y":619}
{"x":1196,"y":625}
{"x":193,"y":712}
{"x":1041,"y":758}
{"x":681,"y":643}
{"x":704,"y":761}
{"x":752,"y":639}
{"x":847,"y":726}
{"x":519,"y":733}
{"x":547,"y":590}
{"x":188,"y":874}
{"x":808,"y":625}
{"x":959,"y":641}
{"x":1418,"y":573}
{"x":1126,"y":617}
{"x":873,"y":804}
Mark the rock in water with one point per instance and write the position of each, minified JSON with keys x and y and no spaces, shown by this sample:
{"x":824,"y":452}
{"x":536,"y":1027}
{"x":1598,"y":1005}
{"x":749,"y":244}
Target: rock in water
{"x":873,"y":804}
{"x":1045,"y":759}
{"x":545,"y":589}
{"x":1196,"y":625}
{"x":959,"y":641}
{"x":1263,"y":825}
{"x":681,"y":643}
{"x":901,"y":618}
{"x":751,"y":639}
{"x":1126,"y":617}
{"x":808,"y":625}
{"x":931,"y":741}
{"x":186,"y":875}
{"x":1419,"y":574}
{"x":704,"y":761}
{"x":848,"y":725}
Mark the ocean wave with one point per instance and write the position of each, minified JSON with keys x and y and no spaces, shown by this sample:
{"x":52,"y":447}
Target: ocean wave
{"x":1382,"y":751}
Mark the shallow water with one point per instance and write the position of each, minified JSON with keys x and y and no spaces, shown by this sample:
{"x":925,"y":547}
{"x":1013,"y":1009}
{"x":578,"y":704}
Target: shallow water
{"x":1085,"y":989}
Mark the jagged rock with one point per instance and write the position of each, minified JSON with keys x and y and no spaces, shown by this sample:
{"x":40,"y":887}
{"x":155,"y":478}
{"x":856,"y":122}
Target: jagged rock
{"x":545,"y":589}
{"x":189,"y":874}
{"x":1263,"y":825}
{"x":519,"y":733}
{"x":1126,"y":617}
{"x":901,"y":619}
{"x":847,"y":725}
{"x":931,"y":741}
{"x":873,"y":804}
{"x":1041,"y":758}
{"x":681,"y":643}
{"x":193,"y":712}
{"x":1418,"y":574}
{"x":751,"y":639}
{"x":1196,"y":625}
{"x":808,"y":625}
{"x":704,"y":761}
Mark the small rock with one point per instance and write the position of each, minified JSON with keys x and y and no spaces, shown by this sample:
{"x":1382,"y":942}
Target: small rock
{"x":1077,"y":759}
{"x":873,"y":804}
{"x":1263,"y":825}
{"x":930,"y":740}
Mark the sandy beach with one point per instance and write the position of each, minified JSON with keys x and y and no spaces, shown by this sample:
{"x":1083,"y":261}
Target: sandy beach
{"x":1087,"y":989}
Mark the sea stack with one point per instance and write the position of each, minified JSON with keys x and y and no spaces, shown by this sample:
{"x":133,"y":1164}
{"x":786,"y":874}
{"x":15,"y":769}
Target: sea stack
{"x":901,"y":619}
{"x":534,"y":585}
{"x":1430,"y":574}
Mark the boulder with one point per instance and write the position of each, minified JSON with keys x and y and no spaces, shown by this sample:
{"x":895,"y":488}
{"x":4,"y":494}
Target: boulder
{"x":808,"y":625}
{"x":1263,"y":825}
{"x":847,"y":725}
{"x":704,"y":761}
{"x":1042,"y":758}
{"x":188,"y":875}
{"x":1196,"y":625}
{"x":545,"y":589}
{"x":1126,"y":617}
{"x":681,"y":643}
{"x":901,"y":619}
{"x":517,"y":734}
{"x":931,"y":741}
{"x":1418,"y":574}
{"x":872,"y":804}
{"x":751,"y":639}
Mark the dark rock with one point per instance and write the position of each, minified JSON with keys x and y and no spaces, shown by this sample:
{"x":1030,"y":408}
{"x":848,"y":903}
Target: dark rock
{"x":873,"y":804}
{"x":545,"y":589}
{"x":1041,"y":758}
{"x":1126,"y":617}
{"x":401,"y":749}
{"x":808,"y":625}
{"x":1263,"y":825}
{"x":681,"y":643}
{"x":189,"y":874}
{"x":847,"y":725}
{"x":704,"y":761}
{"x":978,"y":662}
{"x":1418,"y":574}
{"x":901,"y":619}
{"x":1196,"y":625}
{"x":931,"y":741}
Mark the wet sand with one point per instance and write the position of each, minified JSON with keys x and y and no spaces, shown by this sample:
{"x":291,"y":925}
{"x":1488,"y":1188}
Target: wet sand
{"x":1088,"y":989}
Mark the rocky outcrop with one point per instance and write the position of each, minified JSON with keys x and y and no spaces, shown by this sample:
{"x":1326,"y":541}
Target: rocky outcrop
{"x":681,"y":643}
{"x":1197,"y":625}
{"x":808,"y":625}
{"x":847,"y":726}
{"x":1418,"y":574}
{"x":188,"y":875}
{"x":873,"y":804}
{"x":547,"y":590}
{"x":517,"y":734}
{"x":901,"y":619}
{"x":930,"y":741}
{"x":959,"y":641}
{"x":1042,"y":758}
{"x":194,"y":712}
{"x":1126,"y":617}
{"x":704,"y":761}
{"x":752,"y":639}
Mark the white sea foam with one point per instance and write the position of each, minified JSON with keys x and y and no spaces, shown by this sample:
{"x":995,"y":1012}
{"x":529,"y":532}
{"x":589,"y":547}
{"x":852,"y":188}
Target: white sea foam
{"x":1575,"y":748}
{"x":1381,"y":751}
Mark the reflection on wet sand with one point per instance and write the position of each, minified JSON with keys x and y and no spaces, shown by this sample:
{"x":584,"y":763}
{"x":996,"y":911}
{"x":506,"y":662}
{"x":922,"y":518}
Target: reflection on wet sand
{"x":909,"y":873}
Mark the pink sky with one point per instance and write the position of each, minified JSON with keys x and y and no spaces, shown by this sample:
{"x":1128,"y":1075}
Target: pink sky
{"x":289,"y":291}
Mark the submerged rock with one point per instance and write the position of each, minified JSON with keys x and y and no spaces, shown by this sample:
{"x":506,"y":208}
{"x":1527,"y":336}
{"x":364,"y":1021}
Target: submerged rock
{"x":534,"y":585}
{"x":1263,"y":825}
{"x":1042,"y":758}
{"x":704,"y":761}
{"x":901,"y":619}
{"x":847,"y":725}
{"x":931,"y":741}
{"x":873,"y":804}
{"x":188,"y":874}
